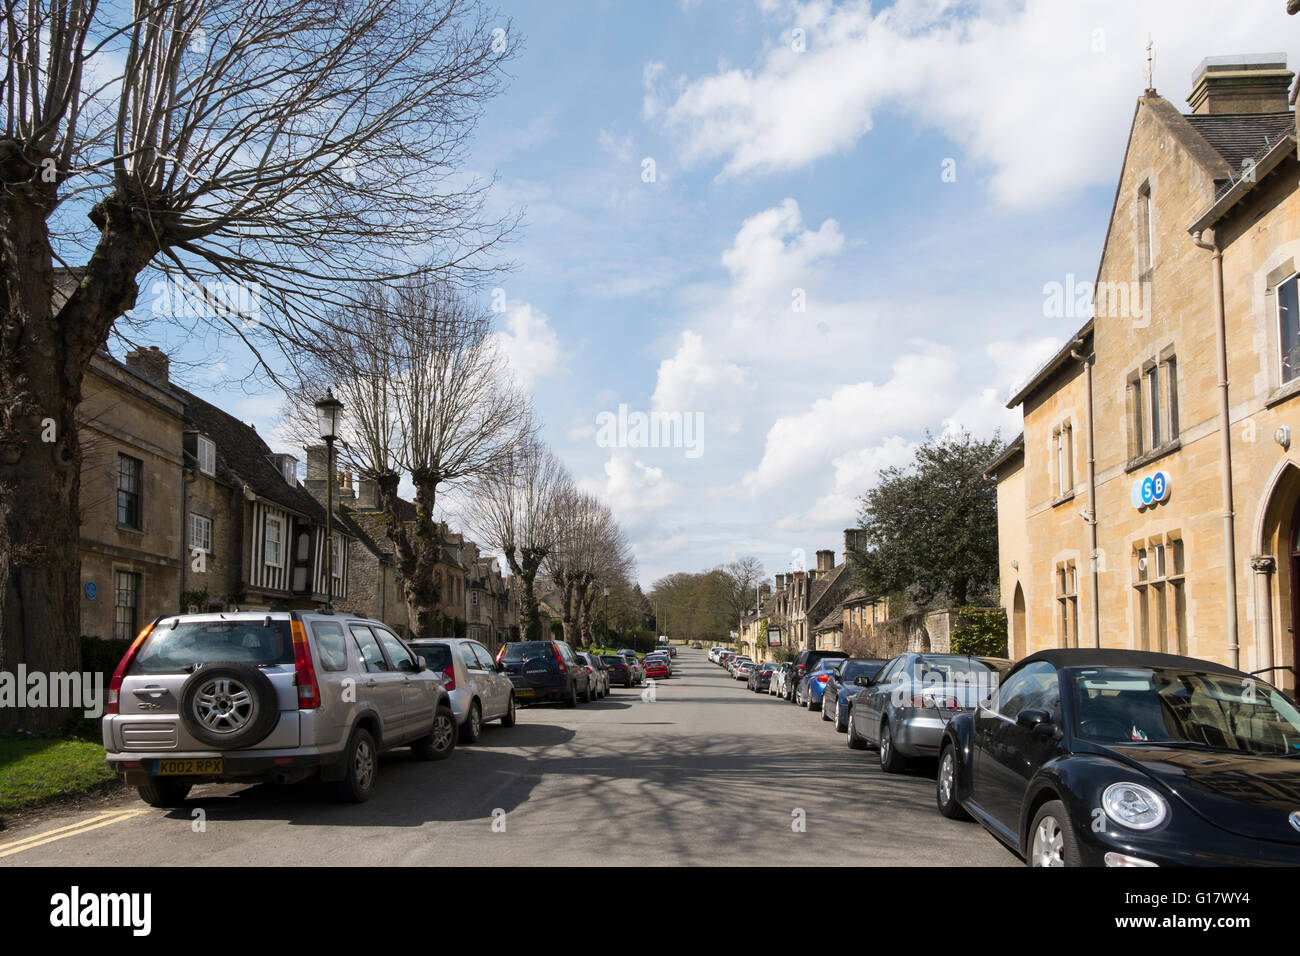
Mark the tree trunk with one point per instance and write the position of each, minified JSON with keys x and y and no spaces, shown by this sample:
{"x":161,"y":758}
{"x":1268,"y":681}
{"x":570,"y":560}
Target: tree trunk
{"x":43,"y":358}
{"x":568,"y":617}
{"x":418,"y":549}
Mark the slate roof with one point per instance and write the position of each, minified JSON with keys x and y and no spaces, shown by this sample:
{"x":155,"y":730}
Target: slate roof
{"x":243,"y":457}
{"x":1238,"y":137}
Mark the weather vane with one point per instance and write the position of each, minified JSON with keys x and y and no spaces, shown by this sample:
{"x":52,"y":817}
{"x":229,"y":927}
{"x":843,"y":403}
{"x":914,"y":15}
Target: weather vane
{"x":1150,"y":67}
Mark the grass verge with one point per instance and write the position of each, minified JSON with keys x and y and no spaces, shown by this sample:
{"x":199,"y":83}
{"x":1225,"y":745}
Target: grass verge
{"x":39,"y":770}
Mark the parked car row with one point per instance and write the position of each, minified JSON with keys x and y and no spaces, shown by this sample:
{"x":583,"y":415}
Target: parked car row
{"x":1078,"y":757}
{"x":291,"y":695}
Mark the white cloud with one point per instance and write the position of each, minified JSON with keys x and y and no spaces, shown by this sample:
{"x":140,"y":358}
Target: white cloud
{"x":853,"y":416}
{"x":530,"y":345}
{"x":1030,"y":89}
{"x":695,"y":379}
{"x":633,"y":489}
{"x":1013,"y":363}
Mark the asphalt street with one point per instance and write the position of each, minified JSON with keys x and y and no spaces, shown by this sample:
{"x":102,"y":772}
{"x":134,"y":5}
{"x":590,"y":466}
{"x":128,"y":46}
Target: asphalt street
{"x":706,"y":773}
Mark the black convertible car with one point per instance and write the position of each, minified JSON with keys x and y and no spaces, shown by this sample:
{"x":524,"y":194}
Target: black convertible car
{"x":1103,"y":757}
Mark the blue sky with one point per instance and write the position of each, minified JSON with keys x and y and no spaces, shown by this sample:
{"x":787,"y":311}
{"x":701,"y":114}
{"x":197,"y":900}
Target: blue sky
{"x":813,"y":169}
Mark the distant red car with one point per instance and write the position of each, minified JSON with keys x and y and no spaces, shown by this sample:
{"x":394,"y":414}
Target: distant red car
{"x":656,"y":668}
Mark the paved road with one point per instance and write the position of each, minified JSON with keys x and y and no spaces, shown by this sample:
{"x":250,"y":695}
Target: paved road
{"x":706,"y":774}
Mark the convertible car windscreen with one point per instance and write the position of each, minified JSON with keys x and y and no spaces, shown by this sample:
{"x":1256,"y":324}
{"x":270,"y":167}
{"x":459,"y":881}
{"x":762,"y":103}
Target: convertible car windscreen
{"x":1144,"y":705}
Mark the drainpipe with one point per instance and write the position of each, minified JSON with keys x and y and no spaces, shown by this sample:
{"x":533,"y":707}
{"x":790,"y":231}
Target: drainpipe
{"x":1091,"y":517}
{"x":1225,"y":448}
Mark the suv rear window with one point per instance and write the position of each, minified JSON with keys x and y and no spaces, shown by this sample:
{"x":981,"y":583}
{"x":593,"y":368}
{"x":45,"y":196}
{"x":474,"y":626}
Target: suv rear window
{"x":437,"y":656}
{"x":170,"y":650}
{"x":529,"y":651}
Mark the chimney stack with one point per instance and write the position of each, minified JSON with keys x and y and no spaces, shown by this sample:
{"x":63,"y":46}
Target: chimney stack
{"x":1248,"y":83}
{"x":852,"y":541}
{"x":367,"y":494}
{"x":825,"y":561}
{"x":780,"y":583}
{"x":152,"y":363}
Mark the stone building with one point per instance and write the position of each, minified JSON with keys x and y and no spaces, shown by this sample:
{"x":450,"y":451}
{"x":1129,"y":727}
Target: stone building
{"x":1151,"y":502}
{"x":132,"y":537}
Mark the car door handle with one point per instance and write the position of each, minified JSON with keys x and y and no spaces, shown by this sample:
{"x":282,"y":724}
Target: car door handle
{"x":153,"y":690}
{"x":372,"y":683}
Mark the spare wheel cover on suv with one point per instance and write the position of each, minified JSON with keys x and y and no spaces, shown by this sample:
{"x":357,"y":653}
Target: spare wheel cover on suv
{"x":229,"y":705}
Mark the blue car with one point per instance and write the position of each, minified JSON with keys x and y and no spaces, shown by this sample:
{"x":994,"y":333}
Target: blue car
{"x":843,"y":687}
{"x":808,"y":692}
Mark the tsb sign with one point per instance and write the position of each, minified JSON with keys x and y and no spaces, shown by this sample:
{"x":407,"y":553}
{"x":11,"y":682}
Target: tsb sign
{"x":1151,"y":490}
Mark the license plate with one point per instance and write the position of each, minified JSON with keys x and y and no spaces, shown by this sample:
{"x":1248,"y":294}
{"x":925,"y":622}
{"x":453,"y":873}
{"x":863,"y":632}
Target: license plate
{"x":524,"y":692}
{"x":175,"y":768}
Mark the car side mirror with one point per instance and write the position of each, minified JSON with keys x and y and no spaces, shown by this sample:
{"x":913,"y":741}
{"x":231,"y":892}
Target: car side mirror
{"x":501,"y":667}
{"x":863,"y":681}
{"x":1038,"y":721}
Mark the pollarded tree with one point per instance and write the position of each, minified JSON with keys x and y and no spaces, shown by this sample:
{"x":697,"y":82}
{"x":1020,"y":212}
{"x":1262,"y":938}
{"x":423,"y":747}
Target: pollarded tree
{"x":514,"y":511}
{"x":296,"y":148}
{"x":428,"y":396}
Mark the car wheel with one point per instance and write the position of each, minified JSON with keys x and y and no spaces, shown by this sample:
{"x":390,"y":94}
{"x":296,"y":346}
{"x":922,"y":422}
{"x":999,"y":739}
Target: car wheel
{"x":473,"y":724}
{"x":360,"y":768}
{"x":587,"y":695}
{"x":508,"y":718}
{"x":825,"y":716}
{"x":891,"y":761}
{"x":442,"y":738}
{"x":572,"y":700}
{"x":839,"y":722}
{"x":1051,"y":838}
{"x":855,"y":742}
{"x":165,"y":792}
{"x":946,"y":786}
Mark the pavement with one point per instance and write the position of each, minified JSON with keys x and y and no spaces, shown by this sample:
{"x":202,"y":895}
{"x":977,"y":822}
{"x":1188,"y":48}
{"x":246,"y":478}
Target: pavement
{"x":707,"y":773}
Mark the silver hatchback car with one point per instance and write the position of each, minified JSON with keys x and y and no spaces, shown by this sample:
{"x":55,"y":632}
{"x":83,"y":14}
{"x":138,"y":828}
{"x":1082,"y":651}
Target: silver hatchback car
{"x":478,"y":686}
{"x":282,"y":696}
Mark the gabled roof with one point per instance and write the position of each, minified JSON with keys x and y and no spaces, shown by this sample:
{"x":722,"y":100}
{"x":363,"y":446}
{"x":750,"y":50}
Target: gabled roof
{"x":242,"y":456}
{"x":1015,"y":447}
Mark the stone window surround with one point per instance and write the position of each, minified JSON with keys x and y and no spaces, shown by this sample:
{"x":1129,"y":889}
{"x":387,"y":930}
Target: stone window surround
{"x":199,"y":442}
{"x":1138,"y":403}
{"x":1064,"y":493}
{"x":1267,"y":301}
{"x":1145,"y":581}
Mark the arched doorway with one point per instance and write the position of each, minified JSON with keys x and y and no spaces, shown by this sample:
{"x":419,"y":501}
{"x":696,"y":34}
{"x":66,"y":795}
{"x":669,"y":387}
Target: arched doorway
{"x":1277,"y":546}
{"x":1018,"y":624}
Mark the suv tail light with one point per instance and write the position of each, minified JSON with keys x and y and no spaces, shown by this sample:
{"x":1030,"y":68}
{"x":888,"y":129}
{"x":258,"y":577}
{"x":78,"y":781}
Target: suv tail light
{"x":450,"y":673}
{"x":124,"y":665}
{"x":559,"y":659}
{"x":304,"y":671}
{"x":823,"y":678}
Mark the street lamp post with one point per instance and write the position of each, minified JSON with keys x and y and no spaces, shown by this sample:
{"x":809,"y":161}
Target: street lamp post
{"x":607,"y":615}
{"x":328,"y":412}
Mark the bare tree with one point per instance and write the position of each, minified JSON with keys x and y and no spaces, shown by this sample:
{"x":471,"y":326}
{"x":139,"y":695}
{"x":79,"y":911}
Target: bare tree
{"x":742,"y":576}
{"x":294,"y":148}
{"x":514,"y":511}
{"x":427,"y":396}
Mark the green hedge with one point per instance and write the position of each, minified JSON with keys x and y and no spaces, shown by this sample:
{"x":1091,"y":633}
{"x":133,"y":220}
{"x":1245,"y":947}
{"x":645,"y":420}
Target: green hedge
{"x":981,"y":631}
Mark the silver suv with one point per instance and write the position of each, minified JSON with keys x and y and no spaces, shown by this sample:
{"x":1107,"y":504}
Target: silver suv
{"x":282,"y":696}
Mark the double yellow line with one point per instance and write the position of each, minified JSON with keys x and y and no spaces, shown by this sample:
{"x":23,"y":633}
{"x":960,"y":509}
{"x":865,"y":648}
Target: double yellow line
{"x":108,"y":818}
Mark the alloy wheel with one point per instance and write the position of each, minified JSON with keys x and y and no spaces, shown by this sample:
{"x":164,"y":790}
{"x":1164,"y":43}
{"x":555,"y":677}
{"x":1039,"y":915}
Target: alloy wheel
{"x":365,"y":764}
{"x":946,"y":777}
{"x":443,"y":731}
{"x":1049,"y":844}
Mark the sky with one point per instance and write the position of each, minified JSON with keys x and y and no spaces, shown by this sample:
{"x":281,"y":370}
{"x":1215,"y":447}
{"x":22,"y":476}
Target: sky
{"x":813,"y":232}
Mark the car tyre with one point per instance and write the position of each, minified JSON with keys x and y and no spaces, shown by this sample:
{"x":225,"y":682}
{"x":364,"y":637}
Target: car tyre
{"x":473,"y":724}
{"x":588,"y":696}
{"x":855,"y":742}
{"x":1051,"y":837}
{"x":945,"y":790}
{"x":360,"y":767}
{"x":891,"y":761}
{"x":164,"y":792}
{"x":442,"y":738}
{"x":224,"y":687}
{"x":508,"y":718}
{"x":825,"y":716}
{"x":572,"y":699}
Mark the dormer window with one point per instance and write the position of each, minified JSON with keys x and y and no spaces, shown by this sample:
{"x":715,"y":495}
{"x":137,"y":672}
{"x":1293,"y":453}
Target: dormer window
{"x":206,"y":453}
{"x":288,"y":466}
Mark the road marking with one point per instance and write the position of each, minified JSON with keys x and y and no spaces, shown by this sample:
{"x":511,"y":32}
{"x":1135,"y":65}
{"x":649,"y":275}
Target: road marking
{"x":73,"y":829}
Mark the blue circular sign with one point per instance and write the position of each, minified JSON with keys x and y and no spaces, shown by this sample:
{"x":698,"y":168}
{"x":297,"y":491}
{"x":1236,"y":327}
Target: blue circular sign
{"x":91,"y":590}
{"x":1148,"y":491}
{"x":1158,"y":486}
